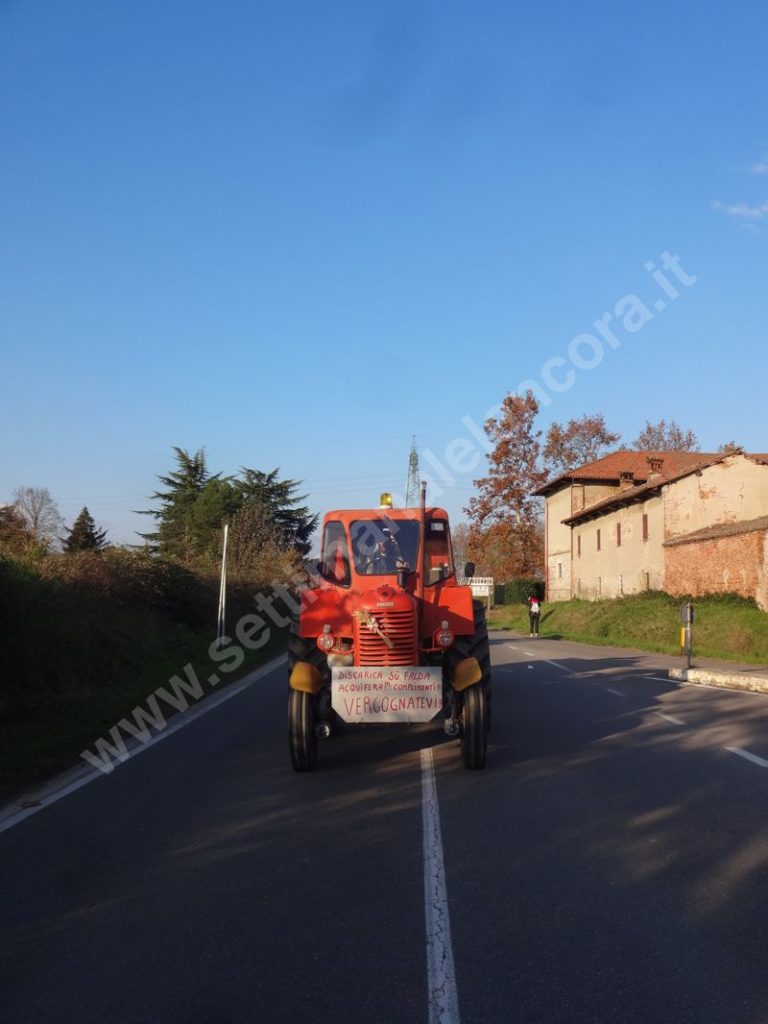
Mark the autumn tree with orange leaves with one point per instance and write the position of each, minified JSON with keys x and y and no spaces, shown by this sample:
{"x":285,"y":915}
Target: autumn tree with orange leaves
{"x":506,"y":533}
{"x":579,"y":441}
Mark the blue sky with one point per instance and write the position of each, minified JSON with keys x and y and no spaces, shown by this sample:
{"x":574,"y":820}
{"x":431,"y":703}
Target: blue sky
{"x":300,"y":233}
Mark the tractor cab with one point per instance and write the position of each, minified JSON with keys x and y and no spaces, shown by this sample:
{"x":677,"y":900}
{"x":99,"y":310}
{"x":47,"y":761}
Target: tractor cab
{"x":357,"y":545}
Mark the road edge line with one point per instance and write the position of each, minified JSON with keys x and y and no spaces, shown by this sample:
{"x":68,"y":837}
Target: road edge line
{"x":177,"y":723}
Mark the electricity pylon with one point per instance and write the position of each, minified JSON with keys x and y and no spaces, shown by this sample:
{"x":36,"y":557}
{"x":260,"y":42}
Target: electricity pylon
{"x":412,"y":487}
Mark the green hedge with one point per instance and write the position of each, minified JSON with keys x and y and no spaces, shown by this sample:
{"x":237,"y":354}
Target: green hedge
{"x":518,"y":591}
{"x":86,"y":637}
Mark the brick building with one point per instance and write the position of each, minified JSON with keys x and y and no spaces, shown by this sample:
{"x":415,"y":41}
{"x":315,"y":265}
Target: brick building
{"x":683,"y":522}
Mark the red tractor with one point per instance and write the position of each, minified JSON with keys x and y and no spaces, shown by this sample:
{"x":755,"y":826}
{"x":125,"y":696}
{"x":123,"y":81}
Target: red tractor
{"x":387,"y":634}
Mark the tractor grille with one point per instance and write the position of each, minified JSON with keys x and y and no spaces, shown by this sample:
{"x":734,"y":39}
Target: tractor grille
{"x":400,"y":627}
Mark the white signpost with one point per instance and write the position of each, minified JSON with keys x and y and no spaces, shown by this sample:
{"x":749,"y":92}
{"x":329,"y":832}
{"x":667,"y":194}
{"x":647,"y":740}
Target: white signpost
{"x":482,"y":587}
{"x":386,"y":694}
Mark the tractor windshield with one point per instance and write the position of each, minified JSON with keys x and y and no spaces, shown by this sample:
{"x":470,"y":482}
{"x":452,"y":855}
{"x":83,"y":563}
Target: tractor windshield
{"x":382,"y":546}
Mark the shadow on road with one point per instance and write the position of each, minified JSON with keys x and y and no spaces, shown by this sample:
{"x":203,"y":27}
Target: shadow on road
{"x":625,"y":848}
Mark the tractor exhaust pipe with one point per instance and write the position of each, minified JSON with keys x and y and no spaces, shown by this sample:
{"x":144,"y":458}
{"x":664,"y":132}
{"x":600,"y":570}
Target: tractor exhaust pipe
{"x":422,"y":525}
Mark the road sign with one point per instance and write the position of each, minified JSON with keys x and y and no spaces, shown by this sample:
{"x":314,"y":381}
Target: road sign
{"x":482,"y":587}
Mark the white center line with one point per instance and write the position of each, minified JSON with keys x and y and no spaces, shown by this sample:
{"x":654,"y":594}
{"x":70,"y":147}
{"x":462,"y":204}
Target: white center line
{"x":670,"y":718}
{"x":750,"y":757}
{"x":442,"y":995}
{"x":616,"y":693}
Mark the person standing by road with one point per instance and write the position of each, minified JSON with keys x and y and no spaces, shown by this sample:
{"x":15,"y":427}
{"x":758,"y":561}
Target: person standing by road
{"x":534,"y":611}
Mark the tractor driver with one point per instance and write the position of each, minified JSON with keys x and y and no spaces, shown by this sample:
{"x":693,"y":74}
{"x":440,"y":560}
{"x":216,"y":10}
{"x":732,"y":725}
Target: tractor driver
{"x":386,"y":556}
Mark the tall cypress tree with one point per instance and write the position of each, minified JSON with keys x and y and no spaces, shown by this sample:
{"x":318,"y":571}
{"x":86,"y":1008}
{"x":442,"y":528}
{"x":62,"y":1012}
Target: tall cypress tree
{"x":84,"y":536}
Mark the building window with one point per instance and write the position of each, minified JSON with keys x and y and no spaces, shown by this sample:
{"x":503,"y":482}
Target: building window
{"x":559,"y":570}
{"x":578,"y":545}
{"x":647,"y":581}
{"x":618,"y":535}
{"x":598,"y":540}
{"x":599,"y":586}
{"x":621,"y":585}
{"x":645,"y":526}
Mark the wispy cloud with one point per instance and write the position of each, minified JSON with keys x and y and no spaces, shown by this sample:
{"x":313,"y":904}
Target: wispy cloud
{"x":742,"y":211}
{"x":759,"y":168}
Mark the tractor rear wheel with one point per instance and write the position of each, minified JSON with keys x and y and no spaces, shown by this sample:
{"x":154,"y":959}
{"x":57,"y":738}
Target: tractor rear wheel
{"x":301,"y":731}
{"x":476,"y":646}
{"x":473,"y":727}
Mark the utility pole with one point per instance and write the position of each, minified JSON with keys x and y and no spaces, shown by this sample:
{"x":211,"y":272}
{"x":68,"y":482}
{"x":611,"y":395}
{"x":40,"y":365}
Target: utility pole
{"x":412,"y":487}
{"x":221,"y":623}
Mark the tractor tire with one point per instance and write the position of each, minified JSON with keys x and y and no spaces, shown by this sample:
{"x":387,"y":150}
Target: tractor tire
{"x":473,"y":727}
{"x":301,"y":731}
{"x":476,"y":646}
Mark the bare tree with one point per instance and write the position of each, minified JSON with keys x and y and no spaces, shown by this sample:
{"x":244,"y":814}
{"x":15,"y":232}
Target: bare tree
{"x":460,"y":540}
{"x":729,"y":446}
{"x":40,"y":514}
{"x":663,"y":437}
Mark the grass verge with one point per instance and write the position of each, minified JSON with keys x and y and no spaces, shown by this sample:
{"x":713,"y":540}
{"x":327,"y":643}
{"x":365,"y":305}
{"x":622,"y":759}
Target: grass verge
{"x":727,"y":626}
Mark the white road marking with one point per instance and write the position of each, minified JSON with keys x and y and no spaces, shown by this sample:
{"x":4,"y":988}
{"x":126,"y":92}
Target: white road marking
{"x":47,"y":797}
{"x":749,"y":757}
{"x":670,"y":718}
{"x":531,"y":654}
{"x":661,"y":679}
{"x":557,"y":665}
{"x":616,"y":693}
{"x":442,"y":995}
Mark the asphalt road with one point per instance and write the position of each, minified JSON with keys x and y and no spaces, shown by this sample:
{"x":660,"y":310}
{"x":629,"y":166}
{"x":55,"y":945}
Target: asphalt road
{"x":609,"y":865}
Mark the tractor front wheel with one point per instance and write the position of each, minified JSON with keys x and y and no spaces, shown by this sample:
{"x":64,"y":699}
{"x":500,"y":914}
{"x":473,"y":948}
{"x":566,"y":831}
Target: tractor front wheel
{"x":473,"y":727}
{"x":301,"y":731}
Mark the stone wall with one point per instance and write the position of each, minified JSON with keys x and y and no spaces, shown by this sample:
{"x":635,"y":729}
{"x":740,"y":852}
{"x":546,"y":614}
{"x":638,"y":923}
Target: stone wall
{"x":730,"y":492}
{"x":736,"y":564}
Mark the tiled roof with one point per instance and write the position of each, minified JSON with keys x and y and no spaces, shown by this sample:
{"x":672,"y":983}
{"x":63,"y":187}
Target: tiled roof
{"x":720,"y":530}
{"x":666,"y":476}
{"x":608,"y":468}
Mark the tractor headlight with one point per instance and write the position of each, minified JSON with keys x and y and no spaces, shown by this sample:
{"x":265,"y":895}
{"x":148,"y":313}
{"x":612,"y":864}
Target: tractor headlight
{"x":444,"y":637}
{"x":326,"y":641}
